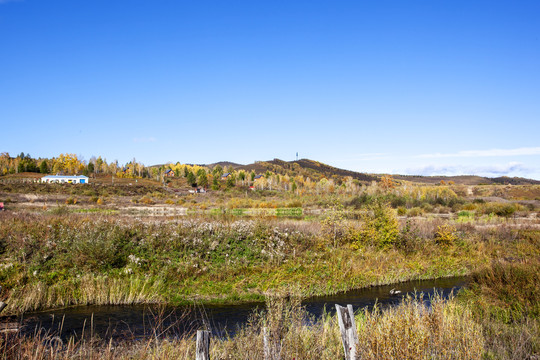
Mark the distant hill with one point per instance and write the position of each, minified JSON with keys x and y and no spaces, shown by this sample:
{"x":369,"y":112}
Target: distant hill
{"x":307,"y":168}
{"x":467,"y":180}
{"x":224,"y":164}
{"x":316,"y":170}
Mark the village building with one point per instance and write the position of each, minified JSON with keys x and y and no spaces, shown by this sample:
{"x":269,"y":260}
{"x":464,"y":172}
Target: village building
{"x":169,"y":173}
{"x":65,"y":179}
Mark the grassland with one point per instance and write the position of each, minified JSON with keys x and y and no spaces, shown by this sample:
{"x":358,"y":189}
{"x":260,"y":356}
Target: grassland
{"x":60,"y":246}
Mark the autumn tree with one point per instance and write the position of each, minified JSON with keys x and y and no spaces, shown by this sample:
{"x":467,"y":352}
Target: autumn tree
{"x":387,"y":182}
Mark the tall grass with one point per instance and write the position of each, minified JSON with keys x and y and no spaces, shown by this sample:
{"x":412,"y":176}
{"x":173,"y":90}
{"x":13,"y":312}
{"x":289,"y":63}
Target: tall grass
{"x":505,"y":301}
{"x":87,"y":290}
{"x":412,"y":330}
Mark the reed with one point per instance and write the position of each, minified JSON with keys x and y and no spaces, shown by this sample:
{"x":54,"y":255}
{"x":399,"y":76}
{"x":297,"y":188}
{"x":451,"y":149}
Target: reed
{"x":87,"y":290}
{"x":412,"y":330}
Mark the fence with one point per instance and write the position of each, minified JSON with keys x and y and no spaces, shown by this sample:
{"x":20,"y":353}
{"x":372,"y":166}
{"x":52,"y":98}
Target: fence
{"x":347,"y":326}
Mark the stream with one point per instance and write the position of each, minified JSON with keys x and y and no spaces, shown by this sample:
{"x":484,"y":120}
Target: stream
{"x":124,"y":322}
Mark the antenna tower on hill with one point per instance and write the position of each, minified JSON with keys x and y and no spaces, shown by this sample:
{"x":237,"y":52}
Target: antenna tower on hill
{"x":296,"y":156}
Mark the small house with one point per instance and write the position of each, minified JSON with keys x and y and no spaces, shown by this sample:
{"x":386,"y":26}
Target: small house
{"x":169,"y":173}
{"x":65,"y":179}
{"x":258,"y":177}
{"x":226,"y":175}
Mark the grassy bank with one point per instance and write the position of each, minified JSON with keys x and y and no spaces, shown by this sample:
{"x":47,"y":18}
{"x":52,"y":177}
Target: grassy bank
{"x":50,"y":260}
{"x":411,"y":330}
{"x":496,"y":318}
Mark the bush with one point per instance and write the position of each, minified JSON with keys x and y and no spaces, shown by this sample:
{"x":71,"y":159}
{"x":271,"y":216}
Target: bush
{"x":504,"y":210}
{"x":445,"y":235}
{"x":294,"y":204}
{"x":427,"y":207}
{"x":146,"y":200}
{"x":361,"y":201}
{"x":380,"y":227}
{"x":415,"y":211}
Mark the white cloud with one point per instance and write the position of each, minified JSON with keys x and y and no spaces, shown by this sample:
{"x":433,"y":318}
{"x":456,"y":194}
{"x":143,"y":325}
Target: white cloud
{"x":509,"y":169}
{"x":144,"y":139}
{"x":485,"y":153}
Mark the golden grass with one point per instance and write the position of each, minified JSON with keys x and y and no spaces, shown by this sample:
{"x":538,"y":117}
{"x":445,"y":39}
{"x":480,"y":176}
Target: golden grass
{"x":87,"y":290}
{"x":410,"y":331}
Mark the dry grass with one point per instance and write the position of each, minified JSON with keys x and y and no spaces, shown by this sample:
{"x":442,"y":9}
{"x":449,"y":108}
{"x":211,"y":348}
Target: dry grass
{"x":413,"y":330}
{"x":89,"y":289}
{"x":410,"y":331}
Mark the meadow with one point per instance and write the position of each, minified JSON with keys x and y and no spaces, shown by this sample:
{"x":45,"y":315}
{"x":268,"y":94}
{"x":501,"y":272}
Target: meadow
{"x":57,"y":253}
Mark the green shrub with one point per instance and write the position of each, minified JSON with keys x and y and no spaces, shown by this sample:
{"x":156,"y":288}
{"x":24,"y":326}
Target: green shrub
{"x":415,"y":211}
{"x":504,"y":210}
{"x":380,"y":226}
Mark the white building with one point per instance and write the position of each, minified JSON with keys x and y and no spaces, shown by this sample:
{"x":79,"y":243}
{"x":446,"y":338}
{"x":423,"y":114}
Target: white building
{"x":65,"y":179}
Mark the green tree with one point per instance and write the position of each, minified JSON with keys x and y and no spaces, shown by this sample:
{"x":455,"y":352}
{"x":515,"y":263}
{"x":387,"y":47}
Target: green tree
{"x":215,"y":184}
{"x":231,"y":179}
{"x":191,"y":179}
{"x":217,"y":171}
{"x":203,"y":179}
{"x":43,"y":168}
{"x":90,"y":168}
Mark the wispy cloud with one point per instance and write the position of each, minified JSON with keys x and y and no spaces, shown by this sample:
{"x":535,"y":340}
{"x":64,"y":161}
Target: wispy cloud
{"x":485,"y":153}
{"x":510,"y":169}
{"x":144,"y":139}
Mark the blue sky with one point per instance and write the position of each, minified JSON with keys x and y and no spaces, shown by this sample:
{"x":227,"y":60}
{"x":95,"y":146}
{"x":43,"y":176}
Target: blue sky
{"x":412,"y":87}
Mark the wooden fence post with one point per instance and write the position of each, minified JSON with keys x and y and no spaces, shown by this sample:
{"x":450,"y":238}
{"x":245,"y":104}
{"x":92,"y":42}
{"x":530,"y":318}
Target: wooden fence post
{"x":203,"y":345}
{"x":272,"y":346}
{"x":2,"y":304}
{"x":349,"y":335}
{"x":266,"y":343}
